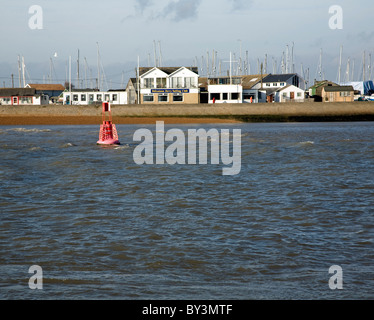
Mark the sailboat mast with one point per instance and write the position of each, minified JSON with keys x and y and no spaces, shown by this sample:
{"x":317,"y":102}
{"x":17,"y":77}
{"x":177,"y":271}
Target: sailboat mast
{"x":98,"y":67}
{"x":340,"y":65}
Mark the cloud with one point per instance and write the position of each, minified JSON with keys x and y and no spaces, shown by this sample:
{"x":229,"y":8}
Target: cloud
{"x":142,"y":5}
{"x":239,"y":5}
{"x":181,"y":10}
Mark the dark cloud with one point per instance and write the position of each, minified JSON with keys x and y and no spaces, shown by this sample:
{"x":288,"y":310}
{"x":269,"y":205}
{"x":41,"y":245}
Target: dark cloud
{"x":181,"y":10}
{"x":141,"y":5}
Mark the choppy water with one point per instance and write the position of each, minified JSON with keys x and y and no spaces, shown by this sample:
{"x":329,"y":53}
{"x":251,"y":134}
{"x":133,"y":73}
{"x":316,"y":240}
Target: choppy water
{"x":102,"y":227}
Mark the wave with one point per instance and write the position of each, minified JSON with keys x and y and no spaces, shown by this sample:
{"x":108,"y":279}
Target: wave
{"x":306,"y":143}
{"x":28,"y":130}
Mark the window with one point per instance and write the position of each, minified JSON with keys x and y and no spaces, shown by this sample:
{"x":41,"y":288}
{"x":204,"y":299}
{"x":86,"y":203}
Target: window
{"x":224,"y":96}
{"x":215,"y":96}
{"x":299,"y":94}
{"x":91,"y":97}
{"x":148,"y":98}
{"x":177,"y":82}
{"x":236,"y":80}
{"x":235,"y":96}
{"x":248,"y":96}
{"x":223,"y":81}
{"x":83,"y":97}
{"x":25,"y":100}
{"x":268,"y":84}
{"x":161,"y":82}
{"x":275,"y":84}
{"x":75,"y":97}
{"x":282,"y":84}
{"x":190,"y":82}
{"x":284,"y":94}
{"x":178,"y":97}
{"x":163,"y":97}
{"x":114,"y":97}
{"x":98,"y":97}
{"x":149,"y":83}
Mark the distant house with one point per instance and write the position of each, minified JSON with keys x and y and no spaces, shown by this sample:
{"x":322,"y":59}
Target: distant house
{"x":225,"y":90}
{"x":281,"y":80}
{"x":93,"y":96}
{"x":166,"y":85}
{"x":289,"y":93}
{"x":132,"y":91}
{"x":236,"y":89}
{"x":337,"y":94}
{"x":53,"y":91}
{"x":22,"y":96}
{"x":315,"y":91}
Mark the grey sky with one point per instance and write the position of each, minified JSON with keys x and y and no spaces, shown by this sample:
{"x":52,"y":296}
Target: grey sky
{"x":186,"y":29}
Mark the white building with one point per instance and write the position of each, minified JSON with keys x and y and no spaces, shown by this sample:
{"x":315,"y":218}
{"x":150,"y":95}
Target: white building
{"x":225,"y":93}
{"x":166,"y":85}
{"x":289,"y":93}
{"x":22,"y":96}
{"x":237,"y":89}
{"x":87,"y":97}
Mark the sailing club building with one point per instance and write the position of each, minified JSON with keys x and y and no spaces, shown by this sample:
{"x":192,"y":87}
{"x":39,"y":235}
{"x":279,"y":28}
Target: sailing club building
{"x":169,"y":85}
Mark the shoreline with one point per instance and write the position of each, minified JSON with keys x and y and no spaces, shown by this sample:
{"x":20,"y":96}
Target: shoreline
{"x":97,"y":120}
{"x":188,"y":114}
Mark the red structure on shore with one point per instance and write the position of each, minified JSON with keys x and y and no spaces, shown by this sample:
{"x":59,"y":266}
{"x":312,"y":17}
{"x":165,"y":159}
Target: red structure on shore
{"x":108,"y":131}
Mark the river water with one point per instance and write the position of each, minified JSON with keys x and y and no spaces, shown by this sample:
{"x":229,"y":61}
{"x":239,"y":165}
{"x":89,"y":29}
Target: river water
{"x":102,"y":227}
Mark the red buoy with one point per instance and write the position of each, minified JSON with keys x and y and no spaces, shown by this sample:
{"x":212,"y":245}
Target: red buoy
{"x":108,"y":131}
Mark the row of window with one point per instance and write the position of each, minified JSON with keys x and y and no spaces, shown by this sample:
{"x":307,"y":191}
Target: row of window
{"x":275,"y":84}
{"x":225,"y":96}
{"x":91,"y":97}
{"x":345,"y":94}
{"x":177,"y":82}
{"x":164,"y":97}
{"x":298,"y":94}
{"x":20,"y":100}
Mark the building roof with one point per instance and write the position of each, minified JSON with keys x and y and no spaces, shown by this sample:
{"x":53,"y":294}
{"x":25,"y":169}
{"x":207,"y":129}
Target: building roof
{"x":9,"y":92}
{"x":249,"y":81}
{"x":318,"y":84}
{"x":279,"y":77}
{"x":167,"y":70}
{"x":288,"y":86}
{"x":338,"y":88}
{"x":46,"y":87}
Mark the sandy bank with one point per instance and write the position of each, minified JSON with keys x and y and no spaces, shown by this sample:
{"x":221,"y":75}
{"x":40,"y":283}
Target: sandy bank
{"x":87,"y":120}
{"x":180,"y":114}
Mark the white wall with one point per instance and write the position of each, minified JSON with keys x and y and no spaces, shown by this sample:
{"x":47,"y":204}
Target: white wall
{"x":225,"y":89}
{"x":279,"y":94}
{"x":105,"y":96}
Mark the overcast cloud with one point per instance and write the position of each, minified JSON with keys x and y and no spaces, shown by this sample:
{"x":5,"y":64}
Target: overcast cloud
{"x":186,"y":30}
